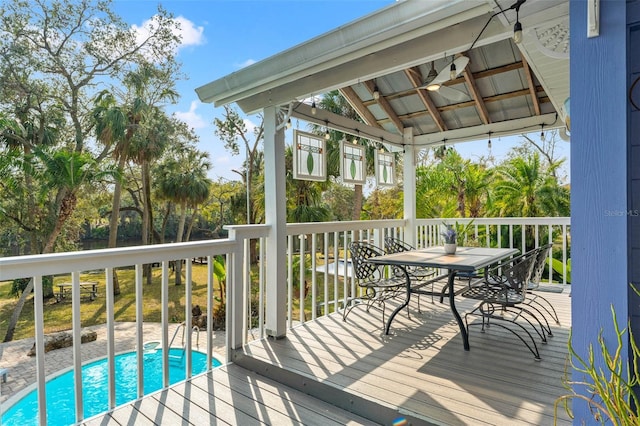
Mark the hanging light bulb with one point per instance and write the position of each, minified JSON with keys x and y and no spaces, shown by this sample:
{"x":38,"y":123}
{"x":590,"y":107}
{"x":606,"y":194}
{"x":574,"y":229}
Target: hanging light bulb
{"x":452,"y":72}
{"x":542,"y":137}
{"x":517,"y":32}
{"x":489,"y":141}
{"x":314,"y":110}
{"x":517,"y":28}
{"x":327,"y":135}
{"x":288,"y":123}
{"x":376,"y":93}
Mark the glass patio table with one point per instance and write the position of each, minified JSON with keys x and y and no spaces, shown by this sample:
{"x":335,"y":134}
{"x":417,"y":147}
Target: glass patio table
{"x":465,"y":259}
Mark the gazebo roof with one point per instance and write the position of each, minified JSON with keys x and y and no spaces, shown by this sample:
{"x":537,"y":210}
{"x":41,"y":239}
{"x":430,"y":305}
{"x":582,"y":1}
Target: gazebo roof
{"x":506,"y":88}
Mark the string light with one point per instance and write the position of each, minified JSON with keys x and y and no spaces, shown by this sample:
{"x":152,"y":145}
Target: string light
{"x":542,"y":137}
{"x":314,"y":110}
{"x":489,"y":141}
{"x":288,"y":123}
{"x":376,"y":92}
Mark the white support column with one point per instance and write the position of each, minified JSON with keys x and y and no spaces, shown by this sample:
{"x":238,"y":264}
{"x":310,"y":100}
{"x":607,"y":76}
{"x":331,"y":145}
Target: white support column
{"x":276,"y":218}
{"x":409,"y":187}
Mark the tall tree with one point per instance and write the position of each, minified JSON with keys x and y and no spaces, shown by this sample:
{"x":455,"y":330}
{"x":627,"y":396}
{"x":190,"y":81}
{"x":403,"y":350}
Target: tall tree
{"x":149,"y":86}
{"x":54,"y":54}
{"x":64,"y":172}
{"x":525,"y":189}
{"x":184,"y":181}
{"x":232,"y":129}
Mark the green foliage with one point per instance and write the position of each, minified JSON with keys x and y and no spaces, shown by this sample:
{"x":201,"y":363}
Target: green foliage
{"x":18,"y":286}
{"x":558,"y":267}
{"x":609,"y":386}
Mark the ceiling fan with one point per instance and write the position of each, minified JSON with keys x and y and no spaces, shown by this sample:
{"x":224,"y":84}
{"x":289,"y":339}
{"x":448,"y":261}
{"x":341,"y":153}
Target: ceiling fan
{"x":434,"y":82}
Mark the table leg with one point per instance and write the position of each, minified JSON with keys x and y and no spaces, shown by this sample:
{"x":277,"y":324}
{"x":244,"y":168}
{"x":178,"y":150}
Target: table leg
{"x":452,"y":303}
{"x":406,"y":302}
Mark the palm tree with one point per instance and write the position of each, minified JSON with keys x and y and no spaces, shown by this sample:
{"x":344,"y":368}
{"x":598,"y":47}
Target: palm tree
{"x":524,"y":188}
{"x":117,"y":124}
{"x":184,"y":181}
{"x":64,"y":173}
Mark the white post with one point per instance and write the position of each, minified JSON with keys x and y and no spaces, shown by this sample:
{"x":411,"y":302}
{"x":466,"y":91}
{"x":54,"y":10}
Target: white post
{"x":276,"y":218}
{"x":409,"y":187}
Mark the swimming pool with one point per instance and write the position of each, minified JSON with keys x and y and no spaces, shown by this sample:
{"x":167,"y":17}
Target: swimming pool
{"x":61,"y":395}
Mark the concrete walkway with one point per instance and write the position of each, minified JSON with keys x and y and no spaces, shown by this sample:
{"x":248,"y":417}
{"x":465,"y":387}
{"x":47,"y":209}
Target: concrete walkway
{"x":22,"y":368}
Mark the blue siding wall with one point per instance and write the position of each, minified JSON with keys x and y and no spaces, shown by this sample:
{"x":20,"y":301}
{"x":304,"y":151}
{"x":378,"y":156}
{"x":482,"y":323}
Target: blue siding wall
{"x":633,"y":55}
{"x":599,"y":178}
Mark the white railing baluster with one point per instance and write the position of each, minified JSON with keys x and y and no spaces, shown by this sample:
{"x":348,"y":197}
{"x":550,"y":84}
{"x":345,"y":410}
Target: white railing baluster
{"x":164,"y":316}
{"x":302,"y":266}
{"x":38,"y":309}
{"x":314,"y":282}
{"x":210,"y":307}
{"x":246,"y":290}
{"x":77,"y":341}
{"x":139,"y":329}
{"x":564,"y":254}
{"x":111,"y":350}
{"x":261,"y":285}
{"x":336,"y":257}
{"x":289,"y":281}
{"x":188,"y":322}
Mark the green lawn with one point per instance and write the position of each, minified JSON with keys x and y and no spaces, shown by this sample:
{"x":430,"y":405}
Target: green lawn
{"x":57,"y":316}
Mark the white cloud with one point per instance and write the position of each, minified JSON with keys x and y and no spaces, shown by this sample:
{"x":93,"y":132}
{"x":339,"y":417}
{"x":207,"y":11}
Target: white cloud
{"x":246,"y":63}
{"x":190,"y":34}
{"x":192,"y":118}
{"x":250,"y":125}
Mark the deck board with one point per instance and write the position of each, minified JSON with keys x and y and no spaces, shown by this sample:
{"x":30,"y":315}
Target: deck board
{"x":422,"y":368}
{"x":229,"y":395}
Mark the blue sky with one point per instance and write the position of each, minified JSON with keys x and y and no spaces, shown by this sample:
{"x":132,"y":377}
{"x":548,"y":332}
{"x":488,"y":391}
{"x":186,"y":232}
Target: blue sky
{"x":222,"y":36}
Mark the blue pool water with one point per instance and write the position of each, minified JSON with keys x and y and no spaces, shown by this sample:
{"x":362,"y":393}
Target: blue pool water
{"x":60,"y":390}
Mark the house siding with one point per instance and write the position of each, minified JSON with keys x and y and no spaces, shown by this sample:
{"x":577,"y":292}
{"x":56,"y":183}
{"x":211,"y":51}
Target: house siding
{"x":601,"y":191}
{"x":633,"y":20}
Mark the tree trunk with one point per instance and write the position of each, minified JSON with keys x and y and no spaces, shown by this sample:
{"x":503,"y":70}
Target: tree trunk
{"x":114,"y":220}
{"x":66,"y":209}
{"x":183,"y":218}
{"x":147,"y":219}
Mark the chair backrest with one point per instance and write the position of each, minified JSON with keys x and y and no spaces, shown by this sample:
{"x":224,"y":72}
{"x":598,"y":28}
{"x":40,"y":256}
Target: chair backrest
{"x":395,"y":245}
{"x":538,"y":267}
{"x":519,"y":273}
{"x":365,"y":271}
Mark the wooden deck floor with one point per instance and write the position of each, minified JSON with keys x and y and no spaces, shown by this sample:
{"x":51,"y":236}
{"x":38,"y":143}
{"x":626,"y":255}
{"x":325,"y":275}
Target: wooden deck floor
{"x":229,"y":395}
{"x":333,"y":372}
{"x":422,"y":370}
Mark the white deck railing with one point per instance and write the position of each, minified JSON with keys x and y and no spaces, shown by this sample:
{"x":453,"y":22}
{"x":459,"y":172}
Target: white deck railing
{"x":326,"y":288}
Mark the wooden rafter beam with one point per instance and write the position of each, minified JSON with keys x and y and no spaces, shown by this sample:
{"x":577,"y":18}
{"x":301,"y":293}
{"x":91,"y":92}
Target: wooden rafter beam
{"x":415,"y":77}
{"x":386,"y":107}
{"x":532,"y":88}
{"x":360,"y":108}
{"x":476,"y":96}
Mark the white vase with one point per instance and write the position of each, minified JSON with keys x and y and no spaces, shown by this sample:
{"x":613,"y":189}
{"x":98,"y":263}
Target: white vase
{"x":450,"y":248}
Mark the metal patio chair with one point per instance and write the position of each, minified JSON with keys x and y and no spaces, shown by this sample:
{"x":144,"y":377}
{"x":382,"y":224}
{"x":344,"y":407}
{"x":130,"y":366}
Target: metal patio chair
{"x":376,"y":283}
{"x":502,"y":295}
{"x":419,"y":275}
{"x":534,"y":296}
